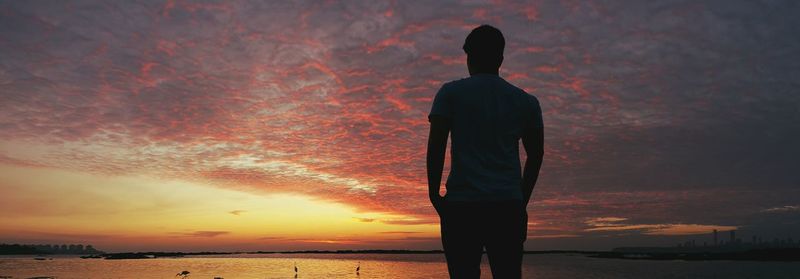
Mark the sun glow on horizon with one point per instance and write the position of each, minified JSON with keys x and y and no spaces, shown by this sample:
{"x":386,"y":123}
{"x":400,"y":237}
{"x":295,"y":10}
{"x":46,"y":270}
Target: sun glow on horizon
{"x":163,"y":210}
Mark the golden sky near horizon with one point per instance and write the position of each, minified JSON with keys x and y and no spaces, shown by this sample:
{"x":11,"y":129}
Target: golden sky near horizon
{"x":141,"y":211}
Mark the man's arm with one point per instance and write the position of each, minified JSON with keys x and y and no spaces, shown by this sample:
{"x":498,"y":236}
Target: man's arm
{"x":437,"y":145}
{"x":533,"y":140}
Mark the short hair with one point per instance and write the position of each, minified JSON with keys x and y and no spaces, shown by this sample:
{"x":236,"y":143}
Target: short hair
{"x":485,"y":42}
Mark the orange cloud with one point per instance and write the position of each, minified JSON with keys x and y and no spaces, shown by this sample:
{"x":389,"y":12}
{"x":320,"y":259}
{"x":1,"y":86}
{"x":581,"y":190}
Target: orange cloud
{"x":612,"y":224}
{"x":204,"y":233}
{"x":237,"y":212}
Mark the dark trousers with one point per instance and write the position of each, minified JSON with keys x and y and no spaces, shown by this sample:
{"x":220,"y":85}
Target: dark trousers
{"x":468,"y":227}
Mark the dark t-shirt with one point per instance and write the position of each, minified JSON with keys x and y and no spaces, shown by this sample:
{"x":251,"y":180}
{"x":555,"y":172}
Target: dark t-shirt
{"x":488,"y":116}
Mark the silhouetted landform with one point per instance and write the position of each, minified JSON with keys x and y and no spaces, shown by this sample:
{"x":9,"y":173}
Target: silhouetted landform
{"x":778,"y":254}
{"x":637,"y":253}
{"x":714,"y":243}
{"x":582,"y":252}
{"x":378,"y":251}
{"x":715,"y":248}
{"x":411,"y":252}
{"x":352,"y":252}
{"x":46,"y":249}
{"x":153,"y":255}
{"x":17,"y":249}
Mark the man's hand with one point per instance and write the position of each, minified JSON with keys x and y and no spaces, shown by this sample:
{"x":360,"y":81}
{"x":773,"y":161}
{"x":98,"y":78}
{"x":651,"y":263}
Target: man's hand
{"x":437,"y":202}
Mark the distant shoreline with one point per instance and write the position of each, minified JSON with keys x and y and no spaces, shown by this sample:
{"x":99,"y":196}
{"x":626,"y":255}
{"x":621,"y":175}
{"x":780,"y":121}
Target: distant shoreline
{"x":369,"y":251}
{"x":785,"y":254}
{"x":789,"y":254}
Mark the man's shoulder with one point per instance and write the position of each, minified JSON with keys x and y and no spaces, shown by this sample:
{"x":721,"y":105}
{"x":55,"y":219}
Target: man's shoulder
{"x":456,"y":83}
{"x":532,"y":98}
{"x":521,"y":92}
{"x":468,"y":83}
{"x":525,"y":96}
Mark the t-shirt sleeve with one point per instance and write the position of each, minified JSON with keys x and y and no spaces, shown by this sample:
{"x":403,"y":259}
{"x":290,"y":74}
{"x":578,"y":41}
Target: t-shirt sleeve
{"x":442,"y":104}
{"x":537,"y":113}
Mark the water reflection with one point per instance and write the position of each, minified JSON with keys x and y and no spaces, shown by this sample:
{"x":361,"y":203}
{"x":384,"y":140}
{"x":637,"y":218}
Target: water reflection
{"x":364,"y":266}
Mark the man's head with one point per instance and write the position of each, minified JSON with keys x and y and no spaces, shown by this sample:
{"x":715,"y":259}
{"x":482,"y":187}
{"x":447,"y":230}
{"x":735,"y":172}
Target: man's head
{"x":484,"y":47}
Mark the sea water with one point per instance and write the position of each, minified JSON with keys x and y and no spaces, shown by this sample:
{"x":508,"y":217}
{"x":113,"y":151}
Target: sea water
{"x":540,"y":266}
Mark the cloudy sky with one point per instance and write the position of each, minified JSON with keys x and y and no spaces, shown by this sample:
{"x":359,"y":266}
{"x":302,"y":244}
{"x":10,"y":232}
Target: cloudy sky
{"x":186,"y":125}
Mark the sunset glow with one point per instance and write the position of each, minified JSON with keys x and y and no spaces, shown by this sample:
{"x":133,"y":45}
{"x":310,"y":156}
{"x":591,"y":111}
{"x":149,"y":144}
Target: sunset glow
{"x":245,"y":126}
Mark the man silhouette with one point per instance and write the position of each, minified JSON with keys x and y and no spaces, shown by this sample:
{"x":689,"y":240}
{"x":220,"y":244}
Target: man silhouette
{"x":487,"y":193}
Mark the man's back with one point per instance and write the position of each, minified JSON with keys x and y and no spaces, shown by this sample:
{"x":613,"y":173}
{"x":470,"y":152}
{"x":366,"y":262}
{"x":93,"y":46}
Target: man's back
{"x":486,"y":200}
{"x":488,"y":117}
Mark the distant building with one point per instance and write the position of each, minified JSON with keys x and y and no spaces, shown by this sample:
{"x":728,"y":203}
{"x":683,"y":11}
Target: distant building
{"x":91,"y":250}
{"x":725,"y":246}
{"x":74,"y":249}
{"x":716,"y":242}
